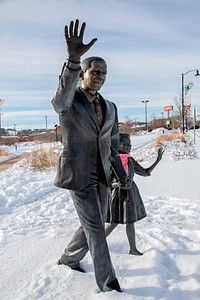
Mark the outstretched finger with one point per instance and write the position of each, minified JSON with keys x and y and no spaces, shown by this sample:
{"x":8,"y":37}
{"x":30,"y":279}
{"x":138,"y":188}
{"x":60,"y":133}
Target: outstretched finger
{"x":66,"y":32}
{"x":76,"y":27}
{"x":71,"y":26}
{"x":82,"y":30}
{"x":91,"y":43}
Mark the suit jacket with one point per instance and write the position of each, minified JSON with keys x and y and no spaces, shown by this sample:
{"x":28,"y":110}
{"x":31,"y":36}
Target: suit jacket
{"x":82,"y":139}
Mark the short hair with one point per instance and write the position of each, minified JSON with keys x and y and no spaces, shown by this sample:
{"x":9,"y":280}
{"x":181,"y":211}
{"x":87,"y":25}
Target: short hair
{"x":122,"y":136}
{"x":86,"y":63}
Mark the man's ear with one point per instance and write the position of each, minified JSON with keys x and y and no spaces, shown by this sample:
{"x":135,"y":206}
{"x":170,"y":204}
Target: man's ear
{"x":81,"y":75}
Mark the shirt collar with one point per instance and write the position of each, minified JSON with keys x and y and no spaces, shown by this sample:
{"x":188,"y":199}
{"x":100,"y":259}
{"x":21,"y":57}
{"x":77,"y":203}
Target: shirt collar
{"x":89,"y":96}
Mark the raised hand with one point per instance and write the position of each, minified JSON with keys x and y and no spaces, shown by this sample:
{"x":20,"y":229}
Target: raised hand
{"x":160,"y":153}
{"x":159,"y":157}
{"x":75,"y":46}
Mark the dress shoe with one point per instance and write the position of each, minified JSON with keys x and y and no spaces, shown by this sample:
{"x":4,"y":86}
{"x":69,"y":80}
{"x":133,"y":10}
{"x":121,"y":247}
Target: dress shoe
{"x":77,"y":268}
{"x":114,"y":285}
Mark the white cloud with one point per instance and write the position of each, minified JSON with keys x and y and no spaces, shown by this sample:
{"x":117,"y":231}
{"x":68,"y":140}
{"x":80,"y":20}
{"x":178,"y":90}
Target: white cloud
{"x":147,"y":45}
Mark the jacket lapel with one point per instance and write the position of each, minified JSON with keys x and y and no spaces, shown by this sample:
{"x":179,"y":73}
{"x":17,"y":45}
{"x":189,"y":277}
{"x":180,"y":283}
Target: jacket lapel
{"x":81,"y":98}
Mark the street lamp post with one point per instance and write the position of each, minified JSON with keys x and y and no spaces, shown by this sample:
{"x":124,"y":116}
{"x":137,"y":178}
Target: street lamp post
{"x":145,"y":111}
{"x":162,"y":118}
{"x":183,"y":97}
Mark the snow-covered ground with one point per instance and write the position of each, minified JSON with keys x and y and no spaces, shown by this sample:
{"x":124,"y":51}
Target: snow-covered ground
{"x":21,"y":148}
{"x":37,"y":220}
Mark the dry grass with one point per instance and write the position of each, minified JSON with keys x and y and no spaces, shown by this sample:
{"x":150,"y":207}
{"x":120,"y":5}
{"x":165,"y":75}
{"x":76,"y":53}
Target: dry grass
{"x":42,"y":159}
{"x":170,"y":137}
{"x":3,"y":152}
{"x":8,"y":141}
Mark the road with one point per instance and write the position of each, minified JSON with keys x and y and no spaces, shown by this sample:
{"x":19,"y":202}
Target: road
{"x":9,"y":163}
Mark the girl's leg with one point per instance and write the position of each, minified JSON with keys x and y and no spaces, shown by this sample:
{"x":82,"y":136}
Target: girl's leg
{"x":130,"y":231}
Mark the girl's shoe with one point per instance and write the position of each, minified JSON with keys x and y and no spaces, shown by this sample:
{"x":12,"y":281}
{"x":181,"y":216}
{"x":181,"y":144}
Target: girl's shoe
{"x":135,"y":252}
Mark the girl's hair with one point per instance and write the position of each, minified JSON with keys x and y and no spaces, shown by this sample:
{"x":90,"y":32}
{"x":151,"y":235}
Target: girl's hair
{"x":122,"y":136}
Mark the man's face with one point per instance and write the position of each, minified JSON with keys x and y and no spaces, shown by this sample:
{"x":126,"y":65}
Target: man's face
{"x":95,"y":76}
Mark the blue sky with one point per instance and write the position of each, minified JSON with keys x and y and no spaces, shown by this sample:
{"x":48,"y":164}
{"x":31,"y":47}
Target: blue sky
{"x":147,"y":44}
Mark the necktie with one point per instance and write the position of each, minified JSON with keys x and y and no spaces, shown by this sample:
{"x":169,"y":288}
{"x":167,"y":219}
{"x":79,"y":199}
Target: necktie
{"x":98,"y":110}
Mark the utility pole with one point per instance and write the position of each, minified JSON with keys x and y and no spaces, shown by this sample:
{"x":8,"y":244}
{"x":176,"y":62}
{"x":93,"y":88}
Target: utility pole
{"x":0,"y":123}
{"x":1,"y":102}
{"x":56,"y":129}
{"x":46,"y":117}
{"x":14,"y":129}
{"x":183,"y":96}
{"x":145,"y":111}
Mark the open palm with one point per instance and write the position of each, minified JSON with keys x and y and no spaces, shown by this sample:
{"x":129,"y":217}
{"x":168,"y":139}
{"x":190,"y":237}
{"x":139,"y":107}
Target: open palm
{"x":75,"y":46}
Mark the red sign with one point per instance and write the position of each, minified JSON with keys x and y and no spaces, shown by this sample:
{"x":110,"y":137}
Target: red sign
{"x":168,"y":108}
{"x":187,"y":107}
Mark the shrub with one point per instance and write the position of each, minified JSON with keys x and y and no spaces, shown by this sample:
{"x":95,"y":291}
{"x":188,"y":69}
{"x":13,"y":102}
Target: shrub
{"x":42,"y":159}
{"x":3,"y":152}
{"x":8,"y":141}
{"x":179,"y":144}
{"x":170,"y":137}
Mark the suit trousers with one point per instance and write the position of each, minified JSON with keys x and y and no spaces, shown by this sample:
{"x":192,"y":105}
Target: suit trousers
{"x":91,"y":206}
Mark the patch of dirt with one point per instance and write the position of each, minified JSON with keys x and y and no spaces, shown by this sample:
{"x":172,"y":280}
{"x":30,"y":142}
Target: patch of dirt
{"x":9,"y":163}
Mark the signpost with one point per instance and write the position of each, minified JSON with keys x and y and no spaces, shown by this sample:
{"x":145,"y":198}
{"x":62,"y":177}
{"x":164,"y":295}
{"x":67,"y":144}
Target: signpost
{"x":194,"y":122}
{"x":168,"y":109}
